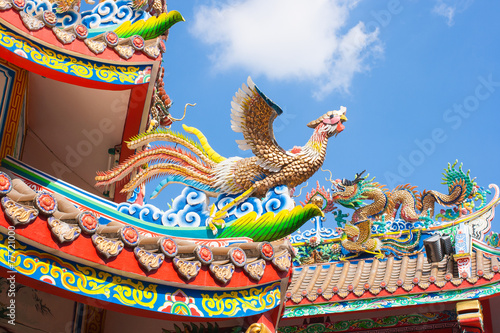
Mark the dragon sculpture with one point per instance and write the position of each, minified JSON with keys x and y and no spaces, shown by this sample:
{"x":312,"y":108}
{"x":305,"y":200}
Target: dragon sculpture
{"x":413,"y":206}
{"x":199,"y":166}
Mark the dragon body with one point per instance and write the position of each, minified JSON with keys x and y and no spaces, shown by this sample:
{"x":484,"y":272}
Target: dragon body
{"x":356,"y":235}
{"x":356,"y":238}
{"x":412,"y":205}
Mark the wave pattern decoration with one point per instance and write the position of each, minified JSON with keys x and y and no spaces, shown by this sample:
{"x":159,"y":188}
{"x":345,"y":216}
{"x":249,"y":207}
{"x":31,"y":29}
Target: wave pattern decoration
{"x":190,"y":208}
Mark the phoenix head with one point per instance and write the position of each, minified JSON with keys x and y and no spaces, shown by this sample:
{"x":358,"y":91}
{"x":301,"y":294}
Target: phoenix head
{"x":331,"y":122}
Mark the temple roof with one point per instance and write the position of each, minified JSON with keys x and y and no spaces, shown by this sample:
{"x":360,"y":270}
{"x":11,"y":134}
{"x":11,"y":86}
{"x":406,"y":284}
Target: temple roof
{"x":372,"y":278}
{"x":51,"y":220}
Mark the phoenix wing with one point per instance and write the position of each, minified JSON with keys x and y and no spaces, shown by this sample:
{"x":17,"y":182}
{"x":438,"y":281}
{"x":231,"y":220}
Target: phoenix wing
{"x":253,"y":115}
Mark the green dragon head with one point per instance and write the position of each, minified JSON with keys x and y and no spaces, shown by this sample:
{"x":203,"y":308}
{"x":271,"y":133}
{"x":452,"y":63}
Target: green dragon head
{"x":350,"y":193}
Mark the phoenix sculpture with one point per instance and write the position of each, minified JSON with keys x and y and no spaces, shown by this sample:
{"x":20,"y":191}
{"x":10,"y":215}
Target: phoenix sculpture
{"x":199,"y":166}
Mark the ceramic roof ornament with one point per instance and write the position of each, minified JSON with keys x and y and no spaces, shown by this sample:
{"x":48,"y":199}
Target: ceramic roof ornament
{"x":199,"y":166}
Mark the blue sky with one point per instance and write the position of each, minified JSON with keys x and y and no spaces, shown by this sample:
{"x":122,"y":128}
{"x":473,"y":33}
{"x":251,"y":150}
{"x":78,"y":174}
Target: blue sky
{"x":420,"y":80}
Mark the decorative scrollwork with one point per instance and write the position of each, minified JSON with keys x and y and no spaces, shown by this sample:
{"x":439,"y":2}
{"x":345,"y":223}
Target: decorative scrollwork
{"x":187,"y":269}
{"x":150,"y":261}
{"x":63,"y":231}
{"x":235,"y":302}
{"x":223,"y":273}
{"x":255,"y":269}
{"x":283,"y":261}
{"x":16,"y":213}
{"x":107,"y":247}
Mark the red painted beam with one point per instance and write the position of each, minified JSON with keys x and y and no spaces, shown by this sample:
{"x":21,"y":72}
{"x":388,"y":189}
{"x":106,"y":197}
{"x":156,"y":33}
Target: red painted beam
{"x":130,"y":310}
{"x":82,"y":250}
{"x":138,"y":98}
{"x":46,"y":35}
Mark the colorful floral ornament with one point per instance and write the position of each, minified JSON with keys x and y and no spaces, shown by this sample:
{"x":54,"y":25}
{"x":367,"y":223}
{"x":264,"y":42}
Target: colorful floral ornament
{"x":144,"y":76}
{"x":204,"y":254}
{"x":493,"y":239}
{"x":19,"y":4}
{"x":238,"y":257}
{"x":5,"y":183}
{"x":129,"y":236}
{"x":111,"y":38}
{"x":179,"y":303}
{"x":88,"y":222}
{"x":46,"y":203}
{"x":168,"y":246}
{"x":49,"y":18}
{"x":266,"y":250}
{"x":137,"y":42}
{"x":81,"y":31}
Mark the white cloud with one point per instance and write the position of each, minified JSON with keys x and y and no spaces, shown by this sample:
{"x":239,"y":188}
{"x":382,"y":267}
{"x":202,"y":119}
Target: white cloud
{"x":288,"y":39}
{"x":448,"y":9}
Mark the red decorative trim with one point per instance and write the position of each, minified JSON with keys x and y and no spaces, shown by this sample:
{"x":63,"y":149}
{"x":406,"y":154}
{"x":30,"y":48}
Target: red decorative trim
{"x":136,"y":105}
{"x":13,"y":116}
{"x":45,"y":34}
{"x":49,"y":288}
{"x":83,"y":250}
